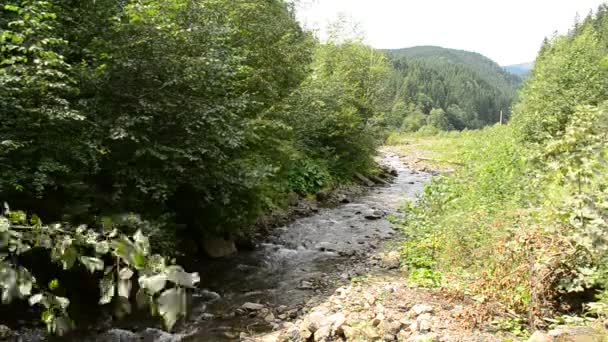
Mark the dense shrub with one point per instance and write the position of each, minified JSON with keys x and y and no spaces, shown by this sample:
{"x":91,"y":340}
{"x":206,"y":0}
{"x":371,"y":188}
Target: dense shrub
{"x":524,"y":222}
{"x":189,"y":112}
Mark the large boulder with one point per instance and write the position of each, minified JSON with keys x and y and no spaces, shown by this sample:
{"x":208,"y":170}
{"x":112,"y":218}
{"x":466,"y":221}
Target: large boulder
{"x":217,"y":248}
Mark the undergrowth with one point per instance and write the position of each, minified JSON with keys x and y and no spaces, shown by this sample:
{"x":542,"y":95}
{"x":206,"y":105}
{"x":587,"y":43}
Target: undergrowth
{"x":501,"y":227}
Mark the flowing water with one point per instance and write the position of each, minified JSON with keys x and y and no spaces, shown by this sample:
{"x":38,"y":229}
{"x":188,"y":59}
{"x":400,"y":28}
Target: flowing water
{"x":282,"y":270}
{"x":305,"y":259}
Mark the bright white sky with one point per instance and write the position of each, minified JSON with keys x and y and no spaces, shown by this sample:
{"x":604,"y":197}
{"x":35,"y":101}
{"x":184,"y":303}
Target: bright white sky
{"x":507,"y":31}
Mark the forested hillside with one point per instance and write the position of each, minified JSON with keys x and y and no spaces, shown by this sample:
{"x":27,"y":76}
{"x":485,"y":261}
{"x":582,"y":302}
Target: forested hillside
{"x":447,"y":89}
{"x":521,"y":70}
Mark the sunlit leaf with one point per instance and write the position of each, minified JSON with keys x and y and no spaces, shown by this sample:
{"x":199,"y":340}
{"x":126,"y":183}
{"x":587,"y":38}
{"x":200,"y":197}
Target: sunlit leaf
{"x":92,"y":264}
{"x":106,"y":287}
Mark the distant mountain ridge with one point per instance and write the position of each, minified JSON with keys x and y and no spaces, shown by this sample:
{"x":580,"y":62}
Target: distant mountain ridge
{"x":522,"y":69}
{"x":484,"y":67}
{"x":472,"y":89}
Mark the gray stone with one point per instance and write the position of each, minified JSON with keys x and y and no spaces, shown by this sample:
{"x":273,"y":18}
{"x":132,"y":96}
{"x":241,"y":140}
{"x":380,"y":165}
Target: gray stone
{"x":432,"y":337}
{"x":315,"y":321}
{"x":364,"y":180}
{"x":322,"y":334}
{"x":118,"y":335}
{"x":337,"y":321}
{"x":419,"y":309}
{"x":388,"y":337}
{"x":269,"y":318}
{"x":156,"y":335}
{"x":391,"y":260}
{"x":252,"y":306}
{"x":390,"y":327}
{"x":403,"y":336}
{"x":217,"y":248}
{"x":325,"y":247}
{"x":577,"y":334}
{"x":306,"y":285}
{"x":206,"y":295}
{"x":373,"y":214}
{"x":540,"y":336}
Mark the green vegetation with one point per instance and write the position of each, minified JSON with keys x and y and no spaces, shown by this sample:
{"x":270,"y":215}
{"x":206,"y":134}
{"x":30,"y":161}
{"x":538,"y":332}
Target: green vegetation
{"x":149,"y":124}
{"x":524,"y":221}
{"x":198,"y":116}
{"x":446,"y":89}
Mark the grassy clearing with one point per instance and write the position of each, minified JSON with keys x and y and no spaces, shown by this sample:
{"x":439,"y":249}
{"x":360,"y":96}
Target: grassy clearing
{"x":442,"y":151}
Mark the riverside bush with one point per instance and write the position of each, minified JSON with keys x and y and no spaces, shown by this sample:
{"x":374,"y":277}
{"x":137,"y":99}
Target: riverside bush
{"x":525,"y":222}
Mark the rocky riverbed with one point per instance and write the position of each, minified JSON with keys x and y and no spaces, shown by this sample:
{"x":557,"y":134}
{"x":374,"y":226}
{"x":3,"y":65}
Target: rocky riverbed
{"x":295,"y":266}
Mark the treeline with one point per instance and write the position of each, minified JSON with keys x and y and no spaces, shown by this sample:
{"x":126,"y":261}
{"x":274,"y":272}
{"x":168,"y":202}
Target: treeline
{"x":443,"y":89}
{"x":196,"y":114}
{"x":525,"y":223}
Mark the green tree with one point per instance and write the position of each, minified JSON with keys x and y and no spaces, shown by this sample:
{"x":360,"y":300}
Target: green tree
{"x":439,"y":119}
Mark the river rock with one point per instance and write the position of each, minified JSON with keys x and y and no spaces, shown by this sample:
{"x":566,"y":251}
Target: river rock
{"x":118,"y":335}
{"x":373,"y":214}
{"x":293,"y":199}
{"x":269,"y":318}
{"x":420,"y":309}
{"x":577,"y":334}
{"x":431,"y":337}
{"x":315,"y":321}
{"x":217,"y":248}
{"x":252,"y":306}
{"x":306,"y":285}
{"x":337,"y":321}
{"x":540,"y":336}
{"x":390,"y":327}
{"x":390,"y":260}
{"x":325,"y":247}
{"x":322,"y":334}
{"x":388,"y":337}
{"x":156,"y":335}
{"x":403,"y":336}
{"x":291,"y":333}
{"x":364,"y":180}
{"x":207,"y":296}
{"x":424,"y":322}
{"x":378,"y":319}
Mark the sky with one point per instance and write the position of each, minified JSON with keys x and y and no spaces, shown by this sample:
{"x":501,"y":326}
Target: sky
{"x":507,"y":31}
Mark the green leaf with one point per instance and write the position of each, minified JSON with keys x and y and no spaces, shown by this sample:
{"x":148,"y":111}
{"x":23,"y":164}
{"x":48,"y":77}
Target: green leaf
{"x":4,"y":224}
{"x":171,"y":305}
{"x":122,"y":307}
{"x":37,"y":299}
{"x":177,"y":275}
{"x":142,"y":299}
{"x":125,"y":273}
{"x":62,"y":302}
{"x":124,"y":288}
{"x":142,"y":242}
{"x":154,"y":283}
{"x":92,"y":264}
{"x":102,"y":247}
{"x":106,"y":286}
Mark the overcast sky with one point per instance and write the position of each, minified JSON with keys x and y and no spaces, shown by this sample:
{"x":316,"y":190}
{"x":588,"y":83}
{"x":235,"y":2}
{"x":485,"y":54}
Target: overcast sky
{"x":508,"y":31}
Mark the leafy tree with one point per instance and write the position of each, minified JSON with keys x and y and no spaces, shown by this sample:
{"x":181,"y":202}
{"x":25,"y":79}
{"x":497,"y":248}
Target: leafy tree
{"x":439,"y":119}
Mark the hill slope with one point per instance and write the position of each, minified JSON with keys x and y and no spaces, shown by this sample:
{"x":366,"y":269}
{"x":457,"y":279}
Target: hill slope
{"x":521,"y":70}
{"x":470,"y":88}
